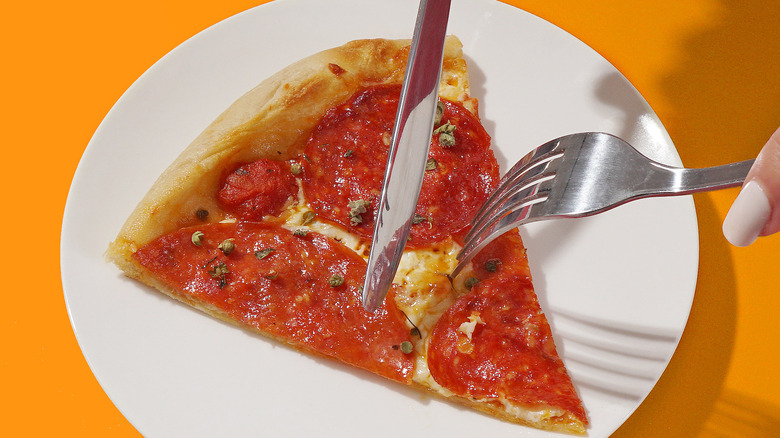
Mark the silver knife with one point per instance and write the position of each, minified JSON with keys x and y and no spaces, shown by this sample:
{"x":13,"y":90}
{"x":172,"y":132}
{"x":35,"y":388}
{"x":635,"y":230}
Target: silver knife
{"x":408,"y":150}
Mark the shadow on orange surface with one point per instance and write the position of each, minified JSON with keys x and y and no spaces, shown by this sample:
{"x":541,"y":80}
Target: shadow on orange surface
{"x":725,"y":102}
{"x":725,"y":94}
{"x":689,"y":389}
{"x":738,"y":415}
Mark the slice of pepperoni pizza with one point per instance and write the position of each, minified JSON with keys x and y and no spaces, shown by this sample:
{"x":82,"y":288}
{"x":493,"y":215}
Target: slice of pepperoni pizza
{"x":265,"y":221}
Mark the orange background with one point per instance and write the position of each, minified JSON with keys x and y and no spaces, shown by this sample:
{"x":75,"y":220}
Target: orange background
{"x":709,"y":68}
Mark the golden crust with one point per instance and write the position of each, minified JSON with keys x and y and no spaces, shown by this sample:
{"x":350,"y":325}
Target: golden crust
{"x":274,"y":120}
{"x":565,"y":423}
{"x":212,"y":311}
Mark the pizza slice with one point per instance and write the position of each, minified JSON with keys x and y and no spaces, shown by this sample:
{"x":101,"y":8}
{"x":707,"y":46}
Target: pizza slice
{"x":265,"y":221}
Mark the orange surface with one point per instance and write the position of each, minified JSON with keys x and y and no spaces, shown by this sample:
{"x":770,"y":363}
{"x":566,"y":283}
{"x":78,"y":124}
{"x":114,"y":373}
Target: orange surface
{"x":709,"y":68}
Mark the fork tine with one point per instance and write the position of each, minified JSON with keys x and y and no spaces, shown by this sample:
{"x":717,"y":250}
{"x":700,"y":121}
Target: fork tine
{"x":512,"y":196}
{"x":516,"y":209}
{"x":580,"y":175}
{"x":516,"y":190}
{"x":521,"y":213}
{"x":530,"y":170}
{"x":532,"y":160}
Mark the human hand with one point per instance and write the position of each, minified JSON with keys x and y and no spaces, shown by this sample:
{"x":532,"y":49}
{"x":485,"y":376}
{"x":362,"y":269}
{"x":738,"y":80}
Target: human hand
{"x":756,"y":211}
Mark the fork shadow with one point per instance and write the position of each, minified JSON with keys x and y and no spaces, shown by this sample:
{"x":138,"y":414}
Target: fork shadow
{"x":610,"y":357}
{"x":723,"y":104}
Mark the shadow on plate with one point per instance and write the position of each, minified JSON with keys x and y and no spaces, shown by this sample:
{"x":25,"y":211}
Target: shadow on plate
{"x":723,"y":99}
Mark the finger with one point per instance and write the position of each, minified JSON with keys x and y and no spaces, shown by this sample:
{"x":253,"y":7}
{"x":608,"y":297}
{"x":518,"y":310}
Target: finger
{"x":767,"y":170}
{"x":756,"y":211}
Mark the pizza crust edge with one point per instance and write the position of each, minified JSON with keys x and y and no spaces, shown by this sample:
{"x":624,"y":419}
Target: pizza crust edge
{"x":273,"y":120}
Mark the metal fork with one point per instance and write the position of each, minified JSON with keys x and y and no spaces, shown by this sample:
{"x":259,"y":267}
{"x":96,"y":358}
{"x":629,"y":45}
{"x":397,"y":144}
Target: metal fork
{"x":581,"y":175}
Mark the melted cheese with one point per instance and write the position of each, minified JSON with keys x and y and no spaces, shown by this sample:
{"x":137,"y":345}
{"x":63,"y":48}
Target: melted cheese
{"x":424,"y":294}
{"x":468,"y":327}
{"x":425,"y":291}
{"x":294,"y":219}
{"x":528,"y":414}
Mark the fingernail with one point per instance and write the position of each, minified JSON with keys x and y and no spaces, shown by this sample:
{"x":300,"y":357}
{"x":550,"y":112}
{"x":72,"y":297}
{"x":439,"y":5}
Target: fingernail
{"x":747,"y":215}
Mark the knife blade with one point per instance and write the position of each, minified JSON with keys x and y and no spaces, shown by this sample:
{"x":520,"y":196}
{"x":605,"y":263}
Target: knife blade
{"x":408,"y":150}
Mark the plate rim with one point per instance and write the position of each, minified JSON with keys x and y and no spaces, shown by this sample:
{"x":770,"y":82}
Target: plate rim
{"x":80,"y":171}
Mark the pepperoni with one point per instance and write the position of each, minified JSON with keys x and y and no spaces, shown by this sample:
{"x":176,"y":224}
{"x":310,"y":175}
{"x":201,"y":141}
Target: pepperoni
{"x":503,"y":256}
{"x":257,"y":189}
{"x":346,"y":155}
{"x":510,"y":353}
{"x":303,"y":289}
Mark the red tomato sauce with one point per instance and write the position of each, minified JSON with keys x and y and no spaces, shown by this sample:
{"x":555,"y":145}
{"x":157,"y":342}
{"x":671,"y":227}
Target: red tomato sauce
{"x":345,"y":158}
{"x":300,"y":288}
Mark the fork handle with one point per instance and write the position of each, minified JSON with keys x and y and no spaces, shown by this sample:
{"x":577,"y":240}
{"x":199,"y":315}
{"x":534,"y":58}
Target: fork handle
{"x":685,"y":181}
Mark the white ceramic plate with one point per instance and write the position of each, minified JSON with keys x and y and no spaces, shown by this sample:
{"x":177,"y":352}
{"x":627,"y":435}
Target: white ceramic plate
{"x":617,"y":287}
